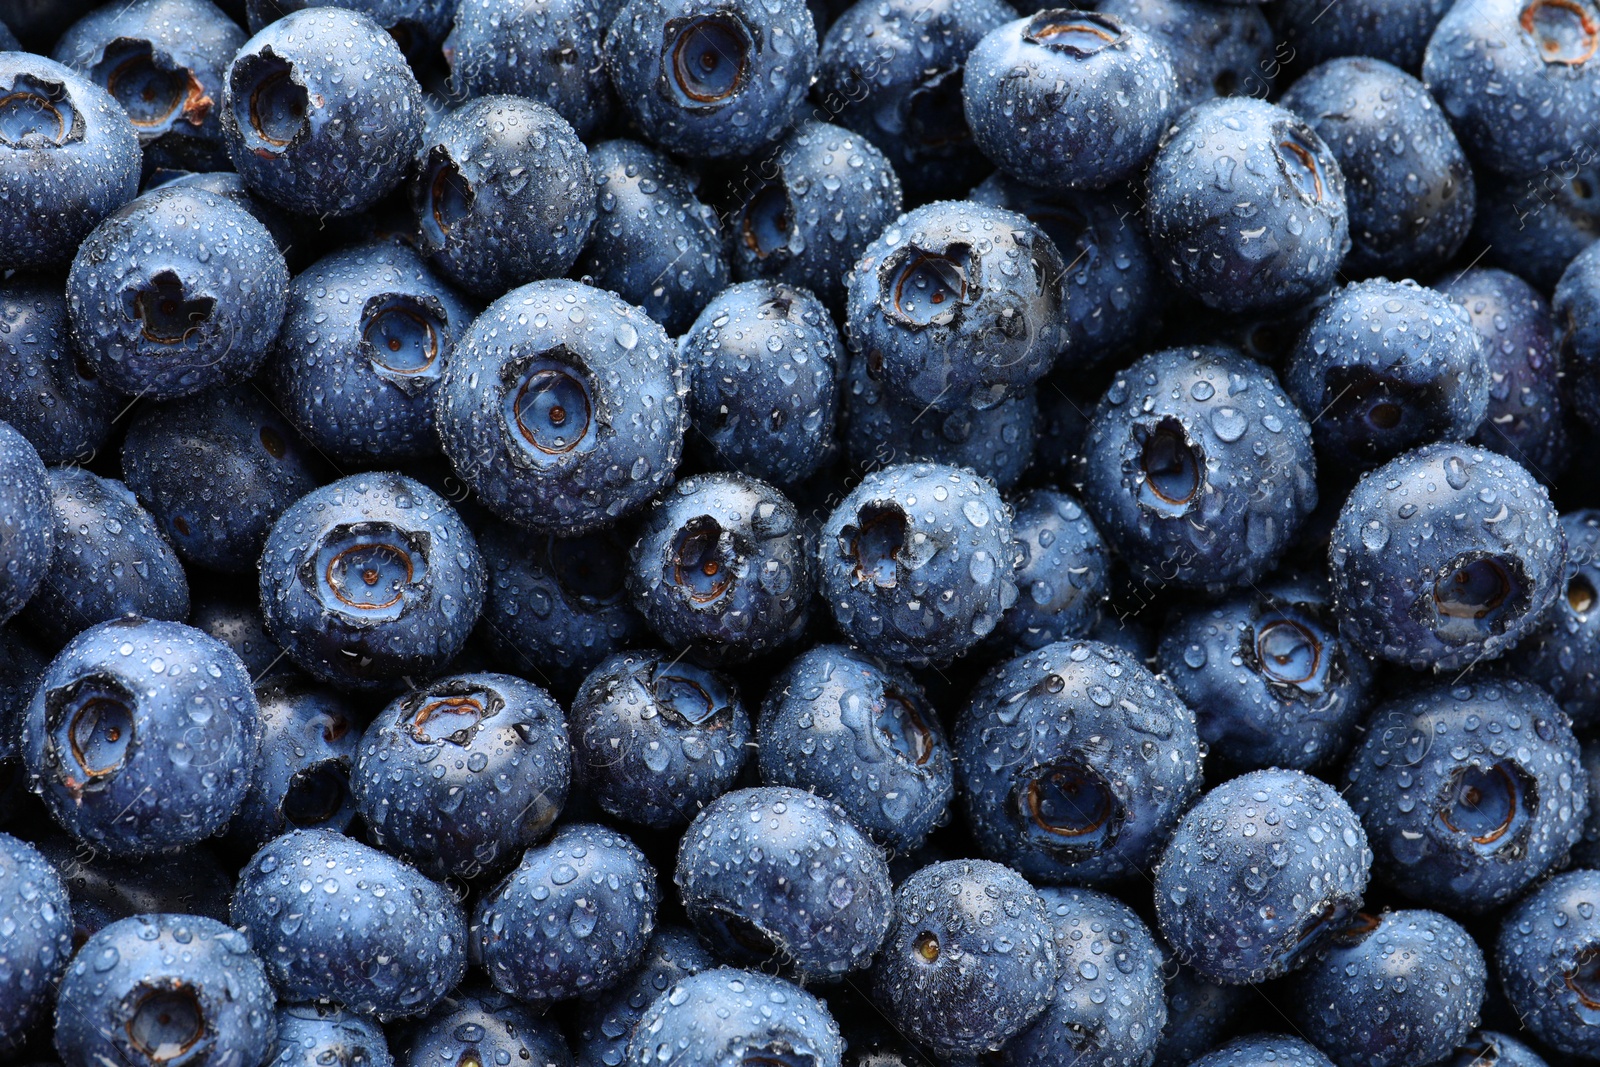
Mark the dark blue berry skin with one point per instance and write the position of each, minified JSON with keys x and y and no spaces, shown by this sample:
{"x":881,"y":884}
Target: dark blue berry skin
{"x":38,"y":918}
{"x":1515,"y":78}
{"x":1394,"y":31}
{"x":654,"y":243}
{"x":764,"y":361}
{"x":216,"y":470}
{"x":462,"y":774}
{"x":48,"y":392}
{"x":814,"y":204}
{"x":1577,"y":309}
{"x":603,"y":1025}
{"x":69,"y":158}
{"x":972,"y":958}
{"x":1563,"y":653}
{"x":1198,"y":467}
{"x":656,"y":738}
{"x":105,"y":889}
{"x":371,"y":934}
{"x":725,"y":1015}
{"x":737,"y":877}
{"x":1534,"y":227}
{"x":843,"y":725}
{"x":917,"y":562}
{"x":371,"y":578}
{"x":1064,"y":576}
{"x":178,"y":291}
{"x":1486,"y":1048}
{"x":158,"y":989}
{"x":481,"y":1025}
{"x":27,"y":525}
{"x":162,"y":60}
{"x":321,"y":113}
{"x":1272,"y":682}
{"x":574,"y":918}
{"x":1069,"y":101}
{"x":1407,"y":182}
{"x":1445,"y":556}
{"x":309,"y":740}
{"x":1074,"y":763}
{"x":294,"y":236}
{"x":1217,"y":49}
{"x":1229,"y":151}
{"x":723,"y":566}
{"x":563,"y":408}
{"x":504,"y":194}
{"x":1586,"y":853}
{"x":110,"y":560}
{"x":311,"y":1035}
{"x":1110,"y":1004}
{"x":367,"y":334}
{"x":232,"y":615}
{"x":1517,"y":332}
{"x":1199,"y":1013}
{"x":1468,"y":791}
{"x":1545,"y":961}
{"x":893,"y":73}
{"x":1265,"y":1050}
{"x":1280,"y":862}
{"x":1387,"y":366}
{"x":21,"y":664}
{"x":550,"y":51}
{"x":957,"y":303}
{"x":414,"y":24}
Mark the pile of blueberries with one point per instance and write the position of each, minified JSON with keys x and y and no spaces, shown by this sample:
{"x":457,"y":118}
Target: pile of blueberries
{"x":768,"y":533}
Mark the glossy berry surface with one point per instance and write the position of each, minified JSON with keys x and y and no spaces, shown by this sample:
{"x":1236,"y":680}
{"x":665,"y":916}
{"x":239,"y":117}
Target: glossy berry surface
{"x":40,"y":946}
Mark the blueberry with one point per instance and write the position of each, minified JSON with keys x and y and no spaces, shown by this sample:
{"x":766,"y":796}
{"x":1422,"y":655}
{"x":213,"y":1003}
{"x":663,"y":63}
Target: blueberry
{"x":917,"y":562}
{"x":1265,"y":1050}
{"x":48,"y":392}
{"x":1217,"y":49}
{"x":1393,"y":31}
{"x":38,"y":942}
{"x":414,"y":24}
{"x":550,"y":51}
{"x":1546,"y":959}
{"x":1535,"y":227}
{"x":1225,"y":152}
{"x":957,"y":303}
{"x":1199,"y":1013}
{"x":603,"y":1025}
{"x":574,"y":917}
{"x":367,"y":334}
{"x":1279,"y":861}
{"x":27,"y":529}
{"x":737,"y":879}
{"x":482,"y":1026}
{"x":1386,"y":366}
{"x":309,"y":740}
{"x":562,"y":408}
{"x":1075,"y":763}
{"x":177,"y":291}
{"x":848,"y":727}
{"x":294,"y":236}
{"x":654,"y":243}
{"x":656,"y":738}
{"x":165,"y":989}
{"x":1486,"y":1048}
{"x":1064,"y":575}
{"x":320,"y":112}
{"x":105,"y":889}
{"x":233,"y":616}
{"x":1426,"y":568}
{"x":1560,"y":653}
{"x":69,"y":157}
{"x":725,"y":1015}
{"x":764,"y":361}
{"x":311,"y":1035}
{"x":1577,"y":309}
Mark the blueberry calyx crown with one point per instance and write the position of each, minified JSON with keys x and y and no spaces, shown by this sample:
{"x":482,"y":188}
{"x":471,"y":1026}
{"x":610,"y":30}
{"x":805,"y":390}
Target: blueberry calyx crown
{"x":1290,"y":650}
{"x":1477,"y":594}
{"x":1171,"y":474}
{"x":1564,"y":32}
{"x":368,"y":571}
{"x":446,"y":198}
{"x":1299,"y":161}
{"x":921,"y":288}
{"x":166,"y":313}
{"x":903,"y":725}
{"x":403,"y":336}
{"x":706,"y":58}
{"x":91,"y":730}
{"x":167,"y":1021}
{"x":875,"y":543}
{"x":1580,"y":594}
{"x":155,"y":92}
{"x":1068,"y":808}
{"x":1388,"y":413}
{"x":38,"y":113}
{"x":317,"y":793}
{"x":705,"y":561}
{"x":927,"y":947}
{"x":767,"y":219}
{"x":451,"y":712}
{"x":270,"y":105}
{"x":1493,"y":807}
{"x":1073,"y":33}
{"x":549,"y":407}
{"x":689,"y":694}
{"x":1584,"y":979}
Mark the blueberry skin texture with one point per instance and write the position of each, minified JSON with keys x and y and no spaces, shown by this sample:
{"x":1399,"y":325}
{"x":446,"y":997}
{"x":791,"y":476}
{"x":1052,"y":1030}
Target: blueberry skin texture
{"x":373,"y":934}
{"x":1199,"y":467}
{"x":723,"y":566}
{"x":764,"y":361}
{"x":1535,"y":228}
{"x":574,"y":917}
{"x":656,"y":738}
{"x":482,"y":1025}
{"x":233,"y":616}
{"x":1394,"y":31}
{"x":824,"y":194}
{"x":165,"y":980}
{"x":415,"y":24}
{"x":367,"y":333}
{"x":1265,"y":1050}
{"x":506,"y":417}
{"x":504,"y":194}
{"x":551,"y":52}
{"x":73,"y":164}
{"x":314,"y":1036}
{"x":1297,"y":232}
{"x":1542,"y":956}
{"x":337,"y":623}
{"x":1408,"y":184}
{"x":1272,"y":681}
{"x":309,"y":741}
{"x":736,"y":879}
{"x":1577,"y":309}
{"x":723,"y":1016}
{"x":1281,"y":861}
{"x":957,"y":304}
{"x":1469,"y":791}
{"x":917,"y":562}
{"x":654,"y":243}
{"x":110,"y":560}
{"x":1425,"y":573}
{"x":1388,"y":366}
{"x":162,"y":60}
{"x":1513,"y":76}
{"x":47,"y":391}
{"x":971,"y":960}
{"x":27,"y":526}
{"x":1560,"y":654}
{"x":603,"y":1024}
{"x":177,"y":291}
{"x":1064,"y":577}
{"x":35,"y":902}
{"x":1110,"y":1004}
{"x":1199,"y":1013}
{"x":1074,"y":763}
{"x":1494,"y":1049}
{"x":1217,"y":49}
{"x":846,"y":726}
{"x":1074,"y":101}
{"x":321,"y":113}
